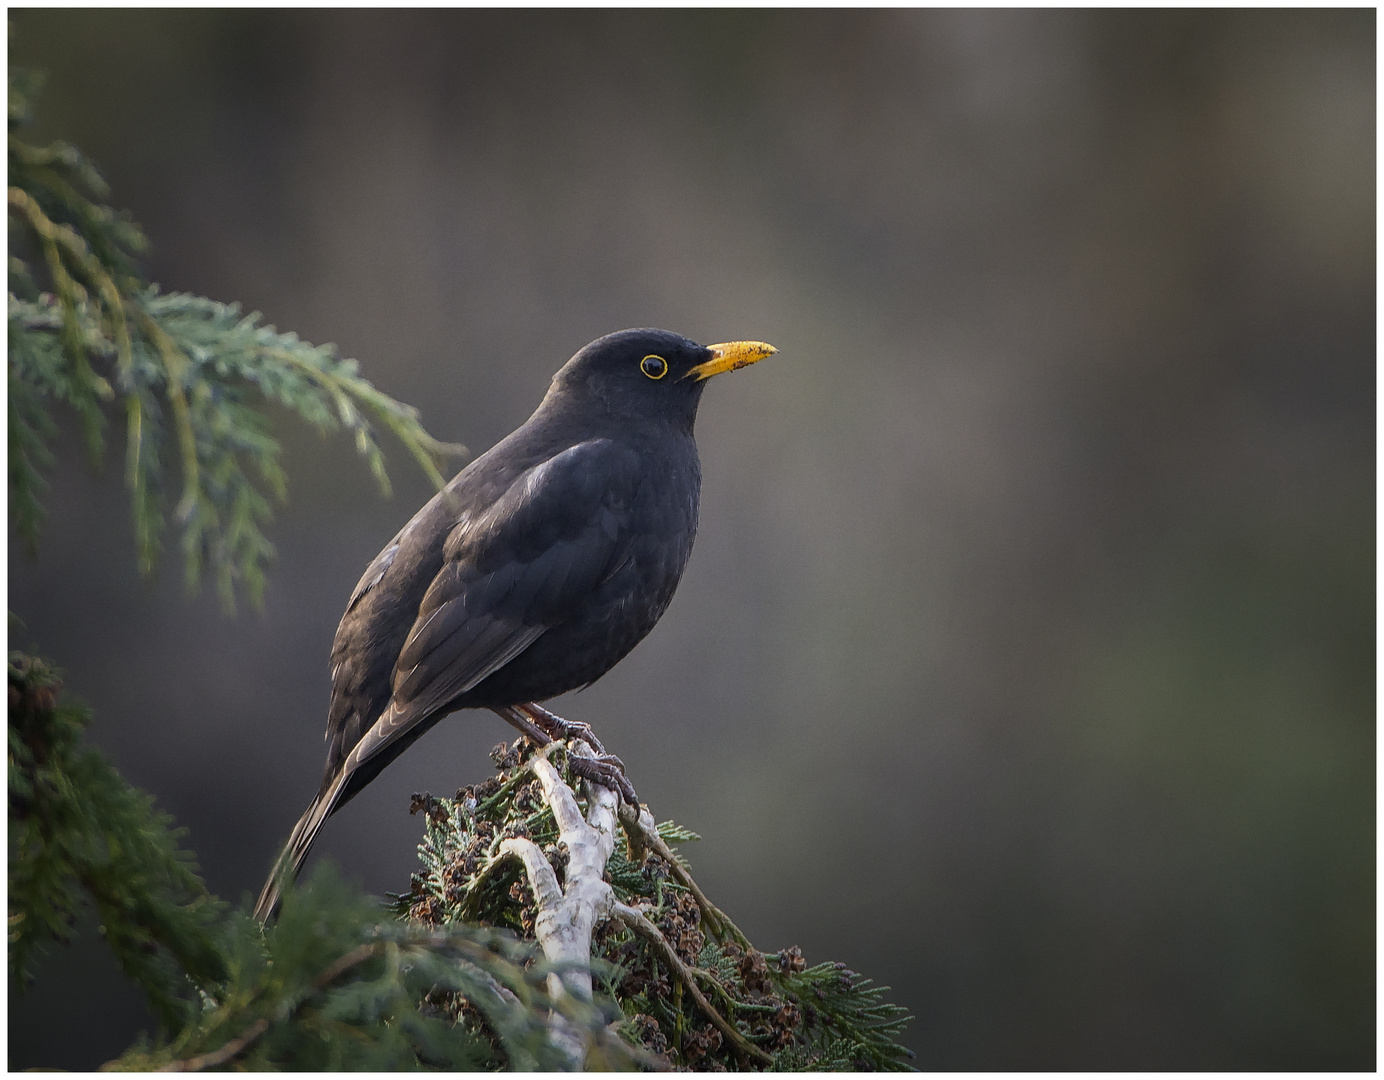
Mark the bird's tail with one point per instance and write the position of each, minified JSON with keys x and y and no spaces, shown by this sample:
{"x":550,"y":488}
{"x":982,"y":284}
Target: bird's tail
{"x":290,"y":860}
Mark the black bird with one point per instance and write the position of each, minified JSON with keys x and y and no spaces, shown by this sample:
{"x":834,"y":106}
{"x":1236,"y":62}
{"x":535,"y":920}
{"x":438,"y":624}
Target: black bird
{"x":540,"y":565}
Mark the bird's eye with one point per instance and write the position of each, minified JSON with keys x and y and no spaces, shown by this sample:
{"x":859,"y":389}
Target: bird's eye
{"x":655,"y":367}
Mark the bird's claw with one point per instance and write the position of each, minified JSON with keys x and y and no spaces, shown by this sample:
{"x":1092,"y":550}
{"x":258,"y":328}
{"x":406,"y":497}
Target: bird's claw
{"x":556,"y":728}
{"x":608,"y":771}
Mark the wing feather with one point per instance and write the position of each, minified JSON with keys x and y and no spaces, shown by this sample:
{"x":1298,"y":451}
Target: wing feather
{"x":512,"y":570}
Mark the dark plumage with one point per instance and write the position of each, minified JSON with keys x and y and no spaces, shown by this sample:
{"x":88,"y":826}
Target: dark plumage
{"x":533,"y":572}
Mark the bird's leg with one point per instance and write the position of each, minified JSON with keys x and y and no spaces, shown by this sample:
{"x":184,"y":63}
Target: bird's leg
{"x":611,"y":773}
{"x":607,"y":770}
{"x":559,"y":728}
{"x":510,"y":715}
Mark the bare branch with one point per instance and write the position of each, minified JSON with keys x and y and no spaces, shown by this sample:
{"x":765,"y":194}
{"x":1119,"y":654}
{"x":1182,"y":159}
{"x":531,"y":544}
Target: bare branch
{"x":567,"y":916}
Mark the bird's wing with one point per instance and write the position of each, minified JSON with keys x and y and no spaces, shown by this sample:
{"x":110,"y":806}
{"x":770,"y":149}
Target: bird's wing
{"x":510,"y":571}
{"x":375,"y":572}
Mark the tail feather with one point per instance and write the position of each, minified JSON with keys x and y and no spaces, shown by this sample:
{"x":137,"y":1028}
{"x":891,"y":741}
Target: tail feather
{"x":291,"y":859}
{"x":386,"y":739}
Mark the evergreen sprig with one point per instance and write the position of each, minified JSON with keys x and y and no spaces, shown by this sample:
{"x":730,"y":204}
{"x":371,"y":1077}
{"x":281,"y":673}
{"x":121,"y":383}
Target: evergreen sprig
{"x":190,"y":376}
{"x":78,"y":830}
{"x":847,"y":1024}
{"x":333,"y":986}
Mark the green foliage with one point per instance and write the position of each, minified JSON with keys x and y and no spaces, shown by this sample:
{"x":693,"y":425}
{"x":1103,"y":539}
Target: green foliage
{"x":846,"y":1023}
{"x":824,"y":1017}
{"x":333,"y":986}
{"x":78,"y":829}
{"x":190,"y":377}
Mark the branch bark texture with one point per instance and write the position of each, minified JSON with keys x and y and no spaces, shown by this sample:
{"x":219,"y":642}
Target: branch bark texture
{"x":567,"y":914}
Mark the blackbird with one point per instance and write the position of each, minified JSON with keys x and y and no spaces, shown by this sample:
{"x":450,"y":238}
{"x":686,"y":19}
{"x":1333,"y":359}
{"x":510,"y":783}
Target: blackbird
{"x":536,"y":569}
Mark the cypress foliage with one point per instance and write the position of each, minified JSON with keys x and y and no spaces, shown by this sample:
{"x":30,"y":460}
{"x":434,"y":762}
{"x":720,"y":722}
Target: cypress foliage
{"x":336,"y":983}
{"x":188,"y":377}
{"x":78,"y":830}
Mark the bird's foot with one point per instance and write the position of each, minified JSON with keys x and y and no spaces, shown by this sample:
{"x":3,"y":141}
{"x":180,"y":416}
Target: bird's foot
{"x":608,"y":771}
{"x":545,"y":727}
{"x":556,"y":728}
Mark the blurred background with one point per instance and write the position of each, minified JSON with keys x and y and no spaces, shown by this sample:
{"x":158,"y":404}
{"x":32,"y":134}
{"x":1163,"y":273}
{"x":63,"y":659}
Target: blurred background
{"x":1026,"y":659}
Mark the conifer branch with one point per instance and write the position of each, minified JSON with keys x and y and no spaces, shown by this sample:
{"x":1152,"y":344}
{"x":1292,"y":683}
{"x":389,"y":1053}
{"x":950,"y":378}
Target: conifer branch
{"x":255,"y":1031}
{"x":98,"y":332}
{"x":651,"y":958}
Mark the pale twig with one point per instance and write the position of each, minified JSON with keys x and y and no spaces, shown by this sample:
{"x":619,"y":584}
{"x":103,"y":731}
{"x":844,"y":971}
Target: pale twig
{"x":641,"y":830}
{"x":566,"y":915}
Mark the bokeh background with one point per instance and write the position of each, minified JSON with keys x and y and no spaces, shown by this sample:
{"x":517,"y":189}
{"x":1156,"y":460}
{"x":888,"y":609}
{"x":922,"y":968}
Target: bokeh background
{"x":1026,"y":659}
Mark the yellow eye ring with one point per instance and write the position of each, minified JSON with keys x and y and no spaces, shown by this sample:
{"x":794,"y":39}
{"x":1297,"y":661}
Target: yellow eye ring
{"x":655,"y":367}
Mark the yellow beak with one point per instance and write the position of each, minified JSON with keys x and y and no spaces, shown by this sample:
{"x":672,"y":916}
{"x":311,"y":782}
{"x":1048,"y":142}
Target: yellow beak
{"x":730,"y":356}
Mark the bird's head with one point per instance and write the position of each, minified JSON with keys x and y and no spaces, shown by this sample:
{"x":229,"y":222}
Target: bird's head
{"x":650,"y":373}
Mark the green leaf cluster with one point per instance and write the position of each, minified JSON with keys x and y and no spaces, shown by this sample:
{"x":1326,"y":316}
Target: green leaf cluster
{"x":189,"y":377}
